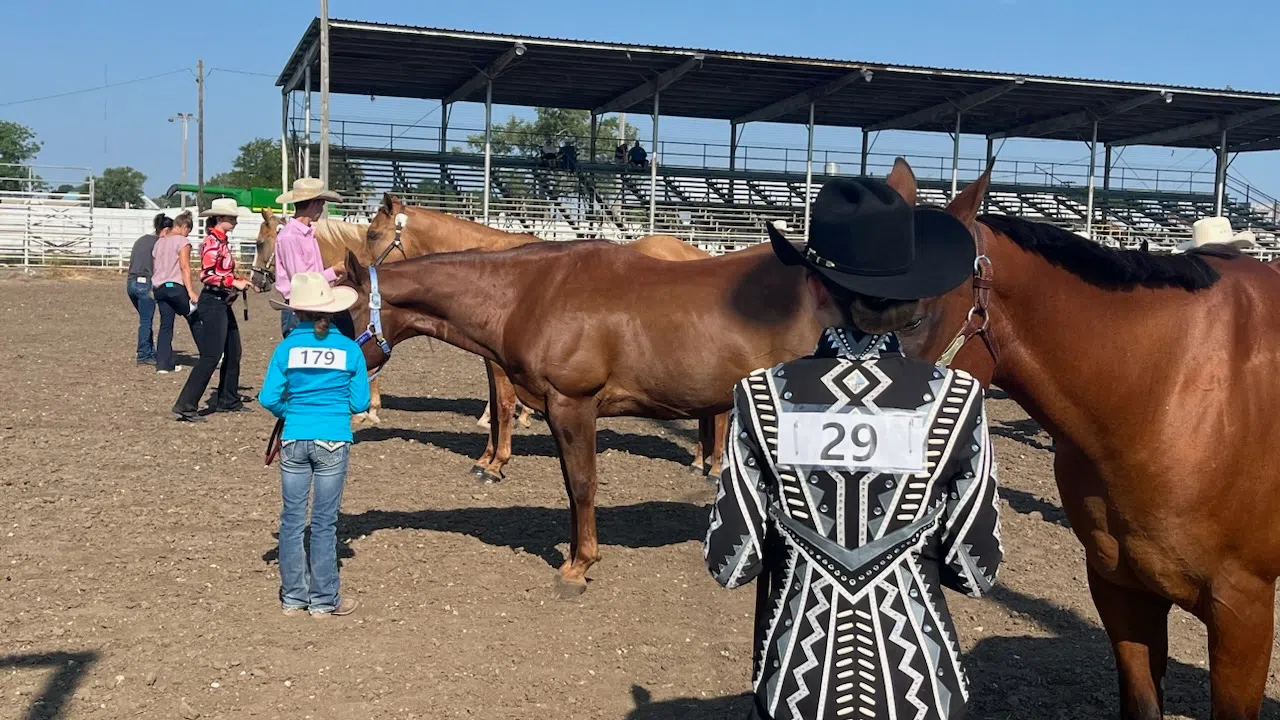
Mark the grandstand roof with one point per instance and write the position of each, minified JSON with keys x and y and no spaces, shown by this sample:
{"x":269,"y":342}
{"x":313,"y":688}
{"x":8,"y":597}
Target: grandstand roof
{"x":429,"y":63}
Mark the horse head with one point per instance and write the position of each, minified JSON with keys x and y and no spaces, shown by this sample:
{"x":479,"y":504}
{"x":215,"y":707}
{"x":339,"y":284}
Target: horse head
{"x":262,"y":274}
{"x":949,"y":321}
{"x":382,"y":234}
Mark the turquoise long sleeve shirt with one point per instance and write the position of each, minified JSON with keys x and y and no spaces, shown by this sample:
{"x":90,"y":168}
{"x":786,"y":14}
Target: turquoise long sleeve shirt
{"x":316,"y":385}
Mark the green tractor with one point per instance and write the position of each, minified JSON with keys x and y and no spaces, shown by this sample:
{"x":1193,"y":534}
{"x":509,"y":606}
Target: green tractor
{"x":256,"y":199}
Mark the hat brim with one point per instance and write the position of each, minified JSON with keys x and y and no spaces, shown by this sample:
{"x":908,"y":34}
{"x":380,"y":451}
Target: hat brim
{"x":290,"y":199}
{"x":944,"y":256}
{"x":214,"y":212}
{"x":343,"y":298}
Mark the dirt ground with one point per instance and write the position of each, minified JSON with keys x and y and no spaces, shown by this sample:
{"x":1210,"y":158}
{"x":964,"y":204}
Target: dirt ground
{"x":139,"y":574}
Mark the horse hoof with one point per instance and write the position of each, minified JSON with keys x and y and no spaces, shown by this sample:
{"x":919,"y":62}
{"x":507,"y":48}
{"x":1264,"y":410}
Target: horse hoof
{"x":713,"y":479}
{"x":569,"y":589}
{"x":488,"y":478}
{"x":697,"y":470}
{"x":478,"y":470}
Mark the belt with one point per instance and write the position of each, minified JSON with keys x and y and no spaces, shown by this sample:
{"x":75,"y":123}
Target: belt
{"x":170,"y":284}
{"x":218,"y":292}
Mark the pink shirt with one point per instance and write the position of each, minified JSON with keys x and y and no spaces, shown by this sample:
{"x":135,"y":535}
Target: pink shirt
{"x":166,"y":261}
{"x":298,"y":251}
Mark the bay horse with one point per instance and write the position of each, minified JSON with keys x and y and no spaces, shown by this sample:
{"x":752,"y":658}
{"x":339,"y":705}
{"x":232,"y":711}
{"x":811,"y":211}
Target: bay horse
{"x":588,"y":329}
{"x":428,"y":232}
{"x":1156,"y":377}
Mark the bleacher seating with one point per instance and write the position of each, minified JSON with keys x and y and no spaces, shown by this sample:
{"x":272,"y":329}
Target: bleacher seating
{"x":721,"y":210}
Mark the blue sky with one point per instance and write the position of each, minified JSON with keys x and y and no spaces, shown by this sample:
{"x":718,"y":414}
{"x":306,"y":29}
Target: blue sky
{"x":1134,"y":40}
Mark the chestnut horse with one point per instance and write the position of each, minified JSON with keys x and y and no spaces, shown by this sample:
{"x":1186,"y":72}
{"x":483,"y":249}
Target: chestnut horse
{"x":589,"y":329}
{"x":1156,"y":377}
{"x":429,"y":232}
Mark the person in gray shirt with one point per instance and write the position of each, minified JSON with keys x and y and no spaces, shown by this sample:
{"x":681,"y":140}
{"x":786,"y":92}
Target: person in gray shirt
{"x":139,"y":286}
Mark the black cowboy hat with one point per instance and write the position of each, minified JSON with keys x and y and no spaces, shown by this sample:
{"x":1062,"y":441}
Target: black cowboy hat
{"x":865,"y":238}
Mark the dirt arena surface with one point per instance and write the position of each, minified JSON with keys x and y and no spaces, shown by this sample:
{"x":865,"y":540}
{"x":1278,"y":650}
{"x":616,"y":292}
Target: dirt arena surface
{"x":138,"y":574}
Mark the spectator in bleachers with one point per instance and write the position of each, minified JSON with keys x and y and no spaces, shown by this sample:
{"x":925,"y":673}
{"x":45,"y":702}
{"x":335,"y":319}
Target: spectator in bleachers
{"x":568,"y":156}
{"x":549,"y":153}
{"x":620,"y":153}
{"x":638,"y":157}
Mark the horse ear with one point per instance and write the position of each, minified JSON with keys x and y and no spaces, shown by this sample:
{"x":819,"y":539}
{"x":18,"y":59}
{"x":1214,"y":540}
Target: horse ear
{"x":903,"y":180}
{"x":267,"y":214}
{"x":358,"y":274}
{"x":390,"y":204}
{"x":966,"y":205}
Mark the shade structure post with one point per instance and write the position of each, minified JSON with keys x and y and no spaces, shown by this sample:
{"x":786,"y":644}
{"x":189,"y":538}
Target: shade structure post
{"x":595,"y":128}
{"x":653,"y":169}
{"x":991,"y":158}
{"x":444,"y":135}
{"x":306,"y":124}
{"x":284,"y":145}
{"x":955,"y":159}
{"x":1093,"y":163}
{"x":808,"y":172}
{"x":1220,"y":177}
{"x":324,"y":92}
{"x":488,"y":146}
{"x":866,"y":147}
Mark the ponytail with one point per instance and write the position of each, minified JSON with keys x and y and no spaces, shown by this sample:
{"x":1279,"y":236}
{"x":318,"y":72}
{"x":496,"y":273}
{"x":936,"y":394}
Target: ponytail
{"x":320,"y":320}
{"x":161,"y":222}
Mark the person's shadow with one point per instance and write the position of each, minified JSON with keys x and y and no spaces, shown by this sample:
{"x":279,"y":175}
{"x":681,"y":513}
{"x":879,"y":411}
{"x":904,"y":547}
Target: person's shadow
{"x":66,"y":670}
{"x":731,"y":707}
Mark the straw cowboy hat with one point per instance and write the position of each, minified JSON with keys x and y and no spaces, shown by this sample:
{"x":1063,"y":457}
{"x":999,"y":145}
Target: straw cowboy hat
{"x":865,"y":238}
{"x":311,"y":293}
{"x":1215,"y":230}
{"x":305,"y":189}
{"x":225,"y":207}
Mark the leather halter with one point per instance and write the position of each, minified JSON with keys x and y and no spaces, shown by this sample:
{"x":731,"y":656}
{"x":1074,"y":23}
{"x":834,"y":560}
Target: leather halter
{"x":979,"y":317}
{"x":374,"y":331}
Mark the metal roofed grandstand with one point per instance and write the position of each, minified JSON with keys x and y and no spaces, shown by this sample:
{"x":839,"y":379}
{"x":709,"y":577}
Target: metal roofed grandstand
{"x":451,"y":65}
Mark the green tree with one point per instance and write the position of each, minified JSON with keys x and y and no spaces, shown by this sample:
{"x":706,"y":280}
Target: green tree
{"x":518,"y":136}
{"x":18,"y":146}
{"x":257,"y":165}
{"x":119,"y":187}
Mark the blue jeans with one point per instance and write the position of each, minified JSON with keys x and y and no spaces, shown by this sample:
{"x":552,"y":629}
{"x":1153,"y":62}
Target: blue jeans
{"x":140,"y":295}
{"x":304,"y":463}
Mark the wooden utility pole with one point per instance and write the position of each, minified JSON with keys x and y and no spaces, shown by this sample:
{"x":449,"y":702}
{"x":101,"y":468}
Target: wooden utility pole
{"x":200,"y":137}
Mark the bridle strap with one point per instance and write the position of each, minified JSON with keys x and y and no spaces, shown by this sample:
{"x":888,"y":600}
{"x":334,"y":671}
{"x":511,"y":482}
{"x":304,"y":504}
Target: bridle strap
{"x":401,"y":221}
{"x":978,"y":319}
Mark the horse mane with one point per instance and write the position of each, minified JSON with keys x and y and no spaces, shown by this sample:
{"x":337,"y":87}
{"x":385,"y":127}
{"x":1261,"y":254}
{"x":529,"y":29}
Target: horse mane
{"x":1110,"y":268}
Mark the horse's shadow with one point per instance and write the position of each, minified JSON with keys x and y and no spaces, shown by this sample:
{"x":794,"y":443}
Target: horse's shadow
{"x":1026,"y":503}
{"x":535,"y":530}
{"x":467,"y":407}
{"x":1070,"y":675}
{"x":731,"y":707}
{"x":472,"y":444}
{"x":1024,"y":431}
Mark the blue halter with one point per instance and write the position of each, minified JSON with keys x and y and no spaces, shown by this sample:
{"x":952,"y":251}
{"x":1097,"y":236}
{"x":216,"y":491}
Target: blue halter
{"x":374,"y":331}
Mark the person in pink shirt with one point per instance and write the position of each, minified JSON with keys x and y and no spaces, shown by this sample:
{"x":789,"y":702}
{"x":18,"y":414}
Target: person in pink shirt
{"x":296,"y":247}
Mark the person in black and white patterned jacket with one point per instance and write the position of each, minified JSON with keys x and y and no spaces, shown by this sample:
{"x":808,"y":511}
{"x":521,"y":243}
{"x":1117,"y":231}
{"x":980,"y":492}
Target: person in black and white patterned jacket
{"x":858,"y":481}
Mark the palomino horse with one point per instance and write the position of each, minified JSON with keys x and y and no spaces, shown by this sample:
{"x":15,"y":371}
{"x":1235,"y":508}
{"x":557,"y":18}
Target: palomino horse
{"x":429,"y":232}
{"x":588,"y":329}
{"x":1155,"y":376}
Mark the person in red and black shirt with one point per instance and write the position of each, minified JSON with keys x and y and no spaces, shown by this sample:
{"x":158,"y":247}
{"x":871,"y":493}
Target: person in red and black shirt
{"x":219,"y":336}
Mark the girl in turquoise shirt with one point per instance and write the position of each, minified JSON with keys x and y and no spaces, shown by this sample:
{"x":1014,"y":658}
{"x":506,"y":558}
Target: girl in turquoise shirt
{"x":316,"y":381}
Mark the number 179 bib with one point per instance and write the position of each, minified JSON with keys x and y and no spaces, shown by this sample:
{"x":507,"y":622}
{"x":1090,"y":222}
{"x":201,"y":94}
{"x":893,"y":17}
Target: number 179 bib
{"x":888,"y":441}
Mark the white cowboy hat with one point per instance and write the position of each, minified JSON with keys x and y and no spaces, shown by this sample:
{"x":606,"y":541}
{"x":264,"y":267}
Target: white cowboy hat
{"x":223,"y":207}
{"x":1214,"y":230}
{"x":311,"y":293}
{"x":305,"y":189}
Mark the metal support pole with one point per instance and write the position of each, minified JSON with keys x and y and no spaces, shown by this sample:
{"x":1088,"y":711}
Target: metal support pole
{"x":284,"y":145}
{"x":866,"y":147}
{"x":991,"y":158}
{"x":200,"y":136}
{"x":306,"y":124}
{"x":808,"y":172}
{"x":488,"y":145}
{"x":595,"y":128}
{"x":1093,"y":163}
{"x":1106,"y":179}
{"x":733,"y":161}
{"x":653,"y":169}
{"x":955,"y":159}
{"x":324,"y":92}
{"x":445,"y":108}
{"x":1220,"y":177}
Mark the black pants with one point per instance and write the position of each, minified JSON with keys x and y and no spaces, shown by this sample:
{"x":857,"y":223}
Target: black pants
{"x":219,"y":337}
{"x":172,"y":300}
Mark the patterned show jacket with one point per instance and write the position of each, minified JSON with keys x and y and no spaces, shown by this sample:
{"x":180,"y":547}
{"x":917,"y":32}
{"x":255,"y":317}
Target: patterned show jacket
{"x":850,"y":561}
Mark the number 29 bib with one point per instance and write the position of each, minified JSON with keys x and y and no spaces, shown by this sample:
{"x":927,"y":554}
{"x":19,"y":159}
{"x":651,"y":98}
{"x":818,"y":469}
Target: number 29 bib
{"x":885,"y":441}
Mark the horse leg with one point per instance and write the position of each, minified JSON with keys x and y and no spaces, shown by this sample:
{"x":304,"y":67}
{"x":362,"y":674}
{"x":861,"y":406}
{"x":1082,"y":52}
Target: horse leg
{"x":481,"y":467}
{"x":705,"y":443}
{"x":375,"y":404}
{"x":502,"y":398}
{"x":721,"y":433}
{"x":1240,"y":621}
{"x":524,"y":412}
{"x":573,"y":426}
{"x":484,"y":417}
{"x":1137,"y":621}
